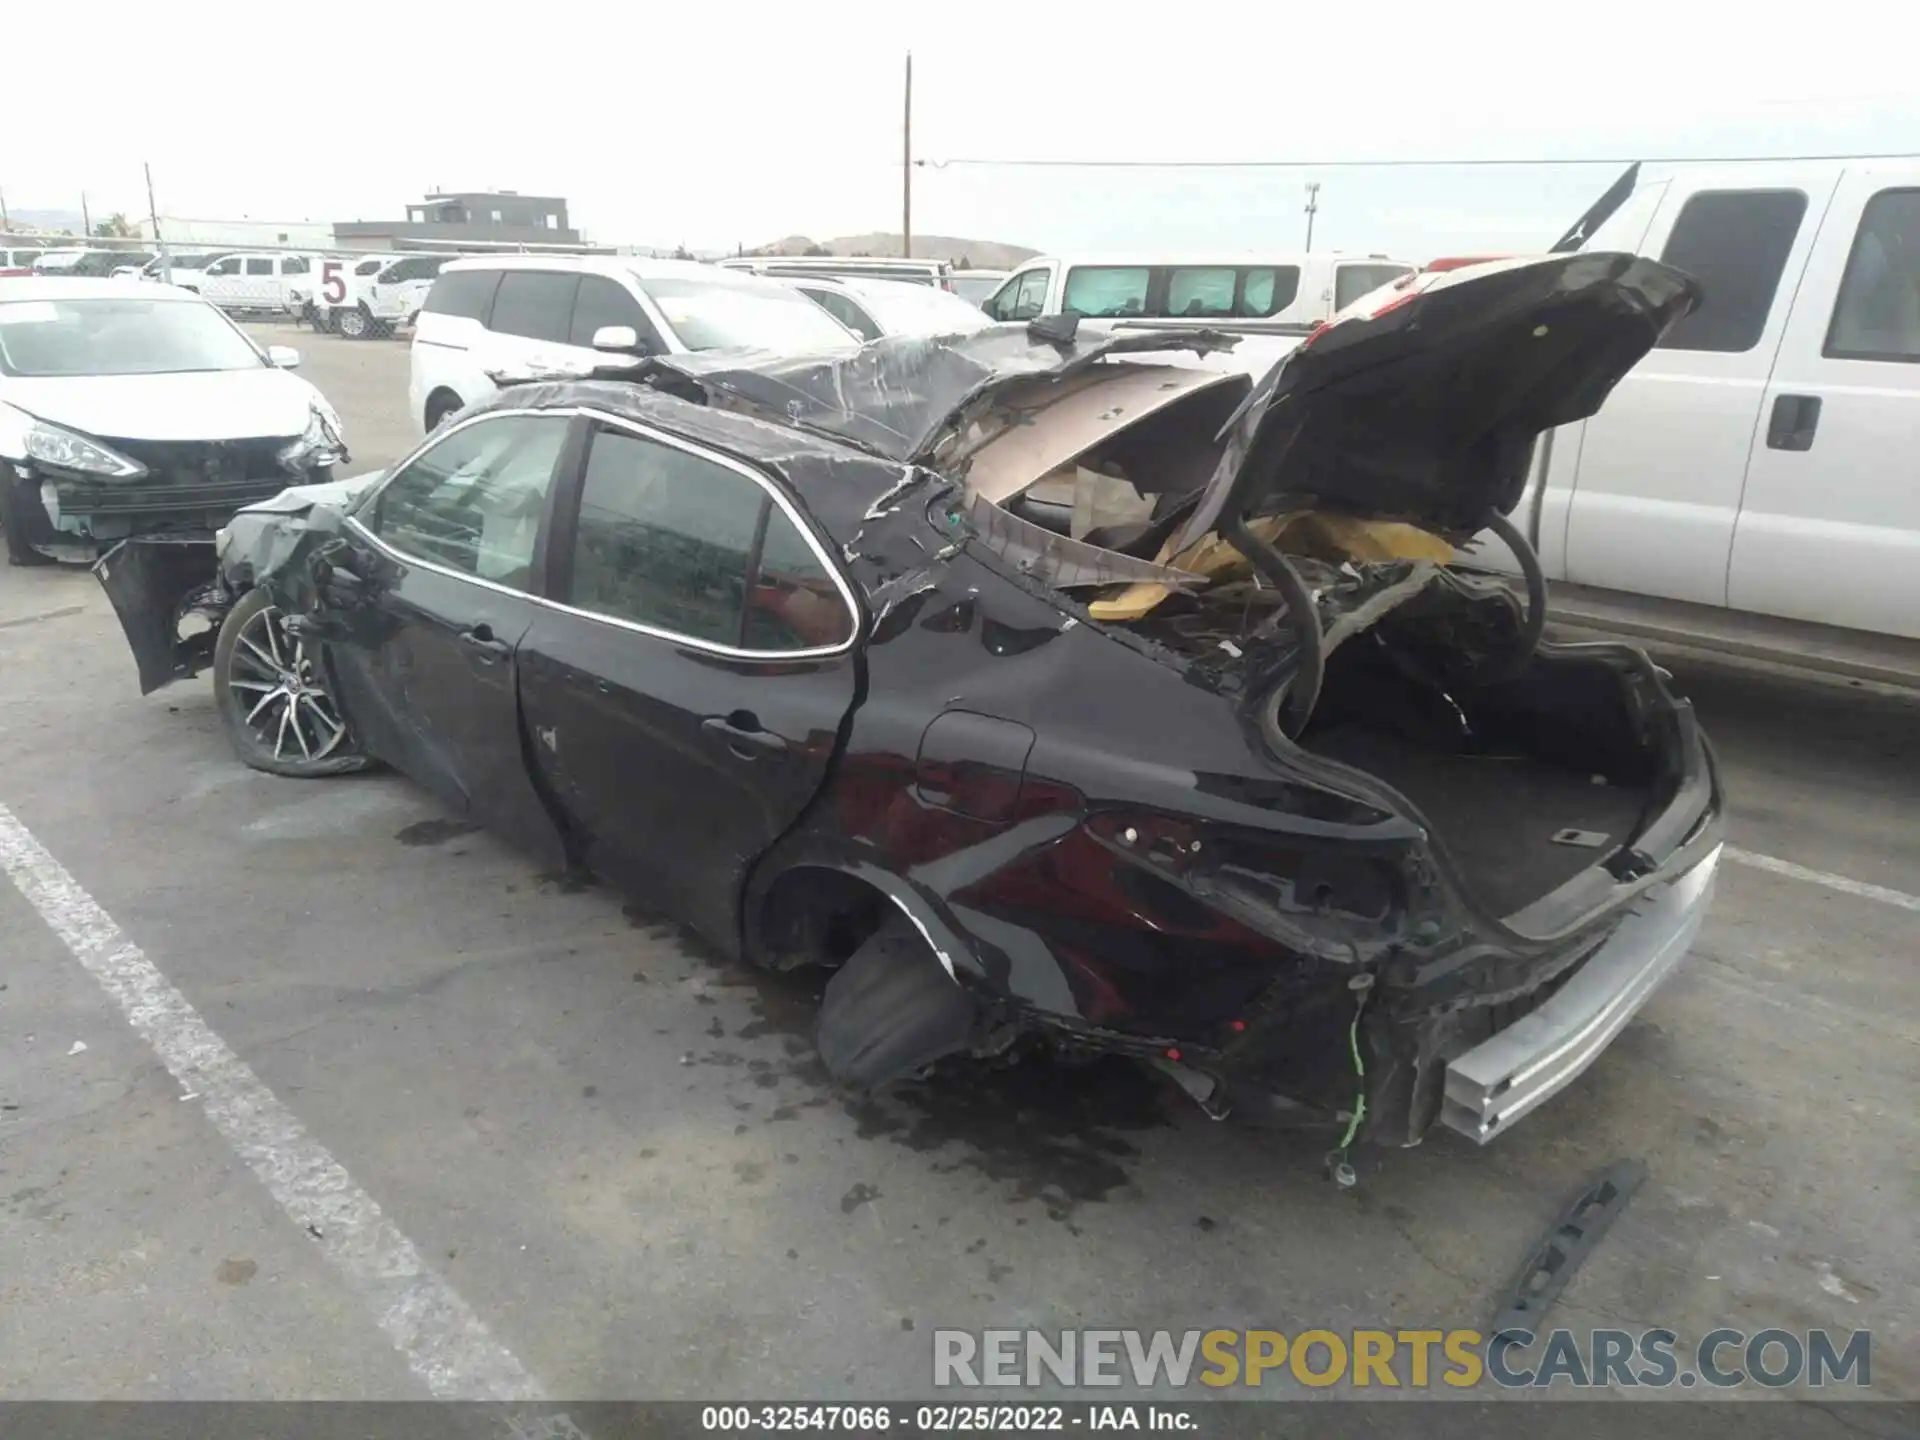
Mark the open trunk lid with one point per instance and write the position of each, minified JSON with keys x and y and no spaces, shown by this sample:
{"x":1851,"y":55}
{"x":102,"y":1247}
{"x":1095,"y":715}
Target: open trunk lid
{"x":1425,"y":409}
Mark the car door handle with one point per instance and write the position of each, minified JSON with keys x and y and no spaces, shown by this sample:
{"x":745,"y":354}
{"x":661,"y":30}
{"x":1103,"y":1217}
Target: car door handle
{"x":481,"y":637}
{"x":741,"y":730}
{"x":1793,"y":421}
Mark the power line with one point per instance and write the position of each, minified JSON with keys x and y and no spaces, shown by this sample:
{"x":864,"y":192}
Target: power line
{"x":1481,"y":163}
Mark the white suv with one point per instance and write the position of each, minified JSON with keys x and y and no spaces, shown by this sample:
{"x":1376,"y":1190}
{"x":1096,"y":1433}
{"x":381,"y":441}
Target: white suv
{"x":524,"y":313}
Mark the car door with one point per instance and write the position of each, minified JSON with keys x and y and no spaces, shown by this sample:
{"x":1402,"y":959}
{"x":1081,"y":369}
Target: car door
{"x":1657,"y":484}
{"x":531,"y":321}
{"x":424,"y":600}
{"x":1023,"y":297}
{"x":295,"y":278}
{"x":1829,"y":526}
{"x":220,"y":282}
{"x":259,"y":285}
{"x":686,"y":701}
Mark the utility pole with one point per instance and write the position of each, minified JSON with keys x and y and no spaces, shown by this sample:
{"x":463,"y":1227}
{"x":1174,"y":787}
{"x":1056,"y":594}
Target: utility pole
{"x":153,"y":214}
{"x":86,"y":220}
{"x":906,"y":166}
{"x":6,"y":221}
{"x":1313,"y":208}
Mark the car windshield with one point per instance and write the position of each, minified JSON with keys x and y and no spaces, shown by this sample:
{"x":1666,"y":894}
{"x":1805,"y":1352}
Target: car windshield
{"x":119,"y":337}
{"x":916,"y":310}
{"x":724,"y":315}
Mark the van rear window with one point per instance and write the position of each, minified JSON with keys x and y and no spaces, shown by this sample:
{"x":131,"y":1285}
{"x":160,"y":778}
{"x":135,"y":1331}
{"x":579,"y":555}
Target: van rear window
{"x":465,"y":293}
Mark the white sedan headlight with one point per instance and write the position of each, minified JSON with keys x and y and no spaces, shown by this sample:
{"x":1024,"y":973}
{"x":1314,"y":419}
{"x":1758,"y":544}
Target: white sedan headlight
{"x":321,"y":445}
{"x":54,"y":446}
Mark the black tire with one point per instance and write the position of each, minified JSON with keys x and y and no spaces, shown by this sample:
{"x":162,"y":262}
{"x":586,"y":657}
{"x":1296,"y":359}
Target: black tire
{"x":356,"y":323}
{"x":14,"y":525}
{"x":439,"y":406}
{"x":248,"y":675}
{"x":891,"y":1010}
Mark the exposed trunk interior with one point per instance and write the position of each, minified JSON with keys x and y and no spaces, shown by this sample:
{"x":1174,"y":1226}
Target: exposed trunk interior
{"x":1526,"y":782}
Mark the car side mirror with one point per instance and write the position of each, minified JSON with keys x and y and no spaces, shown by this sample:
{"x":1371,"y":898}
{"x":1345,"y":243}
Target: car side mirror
{"x":618,"y":340}
{"x":283,"y":357}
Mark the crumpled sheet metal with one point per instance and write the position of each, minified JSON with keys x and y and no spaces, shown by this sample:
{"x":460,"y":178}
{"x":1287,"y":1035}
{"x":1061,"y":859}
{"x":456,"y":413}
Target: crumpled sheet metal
{"x":895,"y":397}
{"x":1064,"y":563}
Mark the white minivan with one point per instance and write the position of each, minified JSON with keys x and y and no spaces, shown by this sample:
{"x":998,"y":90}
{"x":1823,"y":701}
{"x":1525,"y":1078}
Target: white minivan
{"x":521,"y":314}
{"x":260,"y":281}
{"x":1751,"y":486}
{"x":1279,"y":292}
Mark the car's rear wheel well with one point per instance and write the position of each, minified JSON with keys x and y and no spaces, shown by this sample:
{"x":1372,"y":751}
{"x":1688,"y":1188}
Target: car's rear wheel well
{"x":812,"y":915}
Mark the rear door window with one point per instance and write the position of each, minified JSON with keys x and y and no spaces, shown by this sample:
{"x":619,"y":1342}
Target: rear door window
{"x":259,"y":265}
{"x":675,"y":541}
{"x":536,"y":304}
{"x":1200,"y":290}
{"x":1877,"y":314}
{"x":466,"y":294}
{"x":1107,"y":291}
{"x":1735,"y":243}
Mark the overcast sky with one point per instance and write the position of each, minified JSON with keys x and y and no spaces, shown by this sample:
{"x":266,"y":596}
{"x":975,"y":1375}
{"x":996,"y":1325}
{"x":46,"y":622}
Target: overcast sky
{"x":728,"y":124}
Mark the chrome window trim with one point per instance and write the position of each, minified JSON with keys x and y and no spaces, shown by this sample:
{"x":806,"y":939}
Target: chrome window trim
{"x":645,"y":432}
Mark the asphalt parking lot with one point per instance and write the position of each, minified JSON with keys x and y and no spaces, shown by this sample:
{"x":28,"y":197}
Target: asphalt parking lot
{"x":501,"y":1132}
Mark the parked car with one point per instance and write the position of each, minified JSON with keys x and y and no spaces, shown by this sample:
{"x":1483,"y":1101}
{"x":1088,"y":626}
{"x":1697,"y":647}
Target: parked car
{"x":16,"y":261}
{"x":776,"y":642}
{"x":372,"y":297}
{"x":872,"y":308}
{"x":1748,"y":487}
{"x":1259,"y":292}
{"x":184,"y":266}
{"x":258,"y":283}
{"x":131,"y":410}
{"x":81,"y":263}
{"x":937,"y":273}
{"x":514,"y":312}
{"x":976,"y":287}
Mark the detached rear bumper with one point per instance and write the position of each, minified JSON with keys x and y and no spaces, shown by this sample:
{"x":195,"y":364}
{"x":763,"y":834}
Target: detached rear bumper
{"x":1506,"y":1075}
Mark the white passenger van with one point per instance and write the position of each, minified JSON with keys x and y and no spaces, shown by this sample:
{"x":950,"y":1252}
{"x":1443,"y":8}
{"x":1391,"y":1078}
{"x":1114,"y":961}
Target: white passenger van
{"x":1753,"y":485}
{"x":1277,"y":292}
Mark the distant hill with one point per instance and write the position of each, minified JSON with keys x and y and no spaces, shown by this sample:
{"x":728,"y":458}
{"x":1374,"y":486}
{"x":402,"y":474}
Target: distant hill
{"x":979,"y":254}
{"x":27,"y":221}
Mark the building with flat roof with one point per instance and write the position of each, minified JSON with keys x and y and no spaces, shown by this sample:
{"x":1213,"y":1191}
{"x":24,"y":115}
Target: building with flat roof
{"x":484,"y":219}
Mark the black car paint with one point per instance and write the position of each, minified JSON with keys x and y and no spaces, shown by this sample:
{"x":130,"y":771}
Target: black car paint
{"x":1061,"y":809}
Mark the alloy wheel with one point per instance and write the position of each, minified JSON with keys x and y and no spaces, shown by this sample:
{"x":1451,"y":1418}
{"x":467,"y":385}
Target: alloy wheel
{"x":283,"y":701}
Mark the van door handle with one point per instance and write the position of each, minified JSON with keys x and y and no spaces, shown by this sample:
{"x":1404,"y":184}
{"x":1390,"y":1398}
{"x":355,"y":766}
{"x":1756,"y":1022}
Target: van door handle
{"x":1794,"y":419}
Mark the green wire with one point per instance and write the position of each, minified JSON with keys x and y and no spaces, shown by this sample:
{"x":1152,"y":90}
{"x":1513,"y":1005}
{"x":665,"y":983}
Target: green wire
{"x":1360,"y":1074}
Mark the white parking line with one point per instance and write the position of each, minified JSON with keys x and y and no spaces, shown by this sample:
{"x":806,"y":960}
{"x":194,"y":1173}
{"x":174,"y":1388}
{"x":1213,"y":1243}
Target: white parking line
{"x":441,"y":1339}
{"x":1885,"y":896}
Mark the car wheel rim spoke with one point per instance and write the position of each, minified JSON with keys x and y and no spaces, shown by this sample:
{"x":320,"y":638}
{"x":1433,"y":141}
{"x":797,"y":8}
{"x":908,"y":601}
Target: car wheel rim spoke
{"x":292,"y":717}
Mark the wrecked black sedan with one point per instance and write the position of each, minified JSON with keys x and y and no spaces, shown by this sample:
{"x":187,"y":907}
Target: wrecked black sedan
{"x":1054,"y":691}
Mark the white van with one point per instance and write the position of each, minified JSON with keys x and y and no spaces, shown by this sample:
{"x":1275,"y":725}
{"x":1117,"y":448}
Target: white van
{"x":565,"y":314}
{"x":1751,"y":486}
{"x":262,"y":281}
{"x":1277,"y":292}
